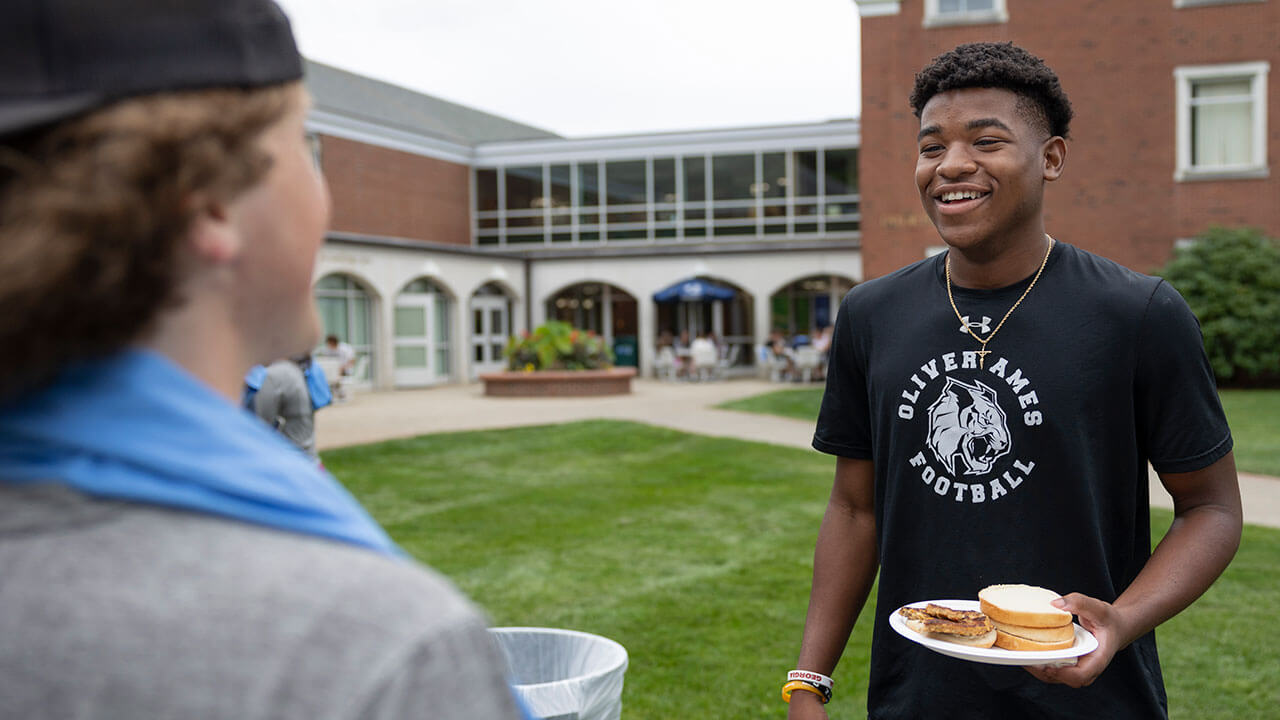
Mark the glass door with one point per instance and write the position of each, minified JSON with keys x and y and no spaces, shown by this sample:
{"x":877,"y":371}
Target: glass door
{"x":413,"y":342}
{"x":490,"y":328}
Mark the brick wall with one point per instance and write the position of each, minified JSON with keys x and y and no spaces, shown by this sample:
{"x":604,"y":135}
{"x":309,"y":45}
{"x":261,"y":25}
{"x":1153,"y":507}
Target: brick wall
{"x":384,"y":192}
{"x":1116,"y":60}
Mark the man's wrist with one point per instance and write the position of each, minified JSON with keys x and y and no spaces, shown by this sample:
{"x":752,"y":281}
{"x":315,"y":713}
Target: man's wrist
{"x":804,"y":698}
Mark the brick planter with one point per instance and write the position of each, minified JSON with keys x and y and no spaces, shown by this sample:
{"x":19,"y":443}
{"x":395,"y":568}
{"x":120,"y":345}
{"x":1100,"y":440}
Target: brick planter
{"x":559,"y":383}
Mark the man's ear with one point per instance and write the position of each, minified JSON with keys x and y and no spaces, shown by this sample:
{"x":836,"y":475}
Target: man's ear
{"x":213,"y":238}
{"x":1054,"y":153}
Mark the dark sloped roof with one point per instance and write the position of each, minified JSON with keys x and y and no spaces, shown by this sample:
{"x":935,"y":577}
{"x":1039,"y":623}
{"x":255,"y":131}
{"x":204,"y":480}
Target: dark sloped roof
{"x":364,"y":98}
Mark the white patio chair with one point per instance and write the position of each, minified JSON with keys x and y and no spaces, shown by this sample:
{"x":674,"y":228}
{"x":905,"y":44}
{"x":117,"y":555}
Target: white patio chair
{"x":331,"y":369}
{"x":728,"y":359}
{"x":807,"y":360}
{"x":347,"y":382}
{"x":664,"y":365}
{"x":776,"y":364}
{"x":704,"y":358}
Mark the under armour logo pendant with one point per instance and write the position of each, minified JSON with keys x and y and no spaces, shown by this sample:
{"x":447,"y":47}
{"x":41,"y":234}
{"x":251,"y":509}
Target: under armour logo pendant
{"x":982,"y":327}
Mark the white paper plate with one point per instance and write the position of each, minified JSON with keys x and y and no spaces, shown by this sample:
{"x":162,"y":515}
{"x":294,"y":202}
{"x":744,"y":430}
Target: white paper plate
{"x":1085,"y":642}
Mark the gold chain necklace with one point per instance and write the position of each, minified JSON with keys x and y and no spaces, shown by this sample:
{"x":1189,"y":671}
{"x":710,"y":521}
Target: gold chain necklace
{"x":982,"y":354}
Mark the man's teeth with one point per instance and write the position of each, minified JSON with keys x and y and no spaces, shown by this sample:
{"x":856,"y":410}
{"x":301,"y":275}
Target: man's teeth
{"x":961,"y":195}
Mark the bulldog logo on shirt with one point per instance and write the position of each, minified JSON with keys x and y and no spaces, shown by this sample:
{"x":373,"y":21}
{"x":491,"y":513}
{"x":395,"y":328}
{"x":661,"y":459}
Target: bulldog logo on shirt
{"x":971,"y":451}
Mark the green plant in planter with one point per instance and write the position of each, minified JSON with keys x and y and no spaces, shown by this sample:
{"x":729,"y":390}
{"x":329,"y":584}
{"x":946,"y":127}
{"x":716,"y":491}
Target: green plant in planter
{"x":557,"y":345}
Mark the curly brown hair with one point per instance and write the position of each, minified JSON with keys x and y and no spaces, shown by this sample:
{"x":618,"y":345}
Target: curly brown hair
{"x":998,"y":65}
{"x":92,"y":212}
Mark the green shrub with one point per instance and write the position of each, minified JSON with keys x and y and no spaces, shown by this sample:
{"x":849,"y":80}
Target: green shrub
{"x":557,"y":345}
{"x":1231,"y":279}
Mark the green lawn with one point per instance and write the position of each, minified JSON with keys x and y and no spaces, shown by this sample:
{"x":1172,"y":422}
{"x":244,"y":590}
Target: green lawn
{"x":1255,"y":426}
{"x":1254,"y":416}
{"x":798,"y":403}
{"x":695,"y":553}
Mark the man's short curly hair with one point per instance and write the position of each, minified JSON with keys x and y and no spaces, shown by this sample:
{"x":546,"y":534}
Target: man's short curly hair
{"x":998,"y":65}
{"x":93,"y":210}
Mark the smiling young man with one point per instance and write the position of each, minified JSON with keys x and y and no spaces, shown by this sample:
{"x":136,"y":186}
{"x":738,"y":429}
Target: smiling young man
{"x":993,"y":410}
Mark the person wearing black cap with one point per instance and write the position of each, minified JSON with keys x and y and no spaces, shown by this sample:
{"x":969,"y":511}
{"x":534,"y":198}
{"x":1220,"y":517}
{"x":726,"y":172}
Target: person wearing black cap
{"x":163,"y":553}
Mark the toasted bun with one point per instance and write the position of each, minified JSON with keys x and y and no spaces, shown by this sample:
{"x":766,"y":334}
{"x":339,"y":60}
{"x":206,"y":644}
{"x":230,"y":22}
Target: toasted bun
{"x":1022,"y":605}
{"x":1054,"y":634}
{"x":984,"y":640}
{"x":1013,"y":642}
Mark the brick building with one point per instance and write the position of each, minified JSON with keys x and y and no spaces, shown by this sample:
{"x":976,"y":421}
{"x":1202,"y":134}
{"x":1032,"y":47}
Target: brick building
{"x":1176,"y":124}
{"x":453,"y":229}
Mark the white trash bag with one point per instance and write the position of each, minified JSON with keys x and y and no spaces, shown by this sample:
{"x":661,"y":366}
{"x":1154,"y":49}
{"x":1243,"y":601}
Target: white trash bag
{"x":565,"y":674}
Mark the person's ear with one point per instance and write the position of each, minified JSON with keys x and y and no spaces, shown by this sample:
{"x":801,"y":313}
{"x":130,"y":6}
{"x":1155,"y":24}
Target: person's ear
{"x":1054,"y":153}
{"x":213,"y":237}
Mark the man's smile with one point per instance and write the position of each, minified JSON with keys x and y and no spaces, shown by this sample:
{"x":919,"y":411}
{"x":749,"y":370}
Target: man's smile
{"x":958,"y":200}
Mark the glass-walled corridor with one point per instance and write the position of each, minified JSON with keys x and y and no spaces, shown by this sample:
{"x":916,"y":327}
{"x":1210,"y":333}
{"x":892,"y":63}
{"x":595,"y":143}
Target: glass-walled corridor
{"x":774,"y":195}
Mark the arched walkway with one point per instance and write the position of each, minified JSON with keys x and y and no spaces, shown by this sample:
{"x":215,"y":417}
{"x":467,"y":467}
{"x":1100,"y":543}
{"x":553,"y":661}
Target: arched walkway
{"x":606,"y":309}
{"x":490,"y":327}
{"x":730,"y":321}
{"x":422,"y":336}
{"x":805,"y":306}
{"x":346,"y":307}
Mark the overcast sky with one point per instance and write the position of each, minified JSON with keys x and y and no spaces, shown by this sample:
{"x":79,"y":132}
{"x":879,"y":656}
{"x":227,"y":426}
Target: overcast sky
{"x":602,"y":67}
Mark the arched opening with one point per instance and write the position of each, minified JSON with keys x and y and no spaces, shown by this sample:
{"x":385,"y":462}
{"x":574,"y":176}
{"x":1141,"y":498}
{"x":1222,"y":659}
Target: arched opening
{"x":802,"y":308}
{"x":726,"y":317}
{"x":345,"y":307}
{"x":422,"y":334}
{"x":490,"y":328}
{"x":605,"y":309}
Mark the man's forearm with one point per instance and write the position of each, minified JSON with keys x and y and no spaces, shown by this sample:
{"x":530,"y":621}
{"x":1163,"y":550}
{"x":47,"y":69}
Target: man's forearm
{"x":844,"y":569}
{"x":1198,"y":547}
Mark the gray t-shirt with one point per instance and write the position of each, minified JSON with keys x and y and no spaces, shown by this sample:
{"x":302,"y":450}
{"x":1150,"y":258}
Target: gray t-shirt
{"x":112,"y":610}
{"x":284,"y":402}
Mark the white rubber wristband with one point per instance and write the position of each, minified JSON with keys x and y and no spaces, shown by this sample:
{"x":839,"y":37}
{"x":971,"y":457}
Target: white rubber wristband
{"x":813,"y":677}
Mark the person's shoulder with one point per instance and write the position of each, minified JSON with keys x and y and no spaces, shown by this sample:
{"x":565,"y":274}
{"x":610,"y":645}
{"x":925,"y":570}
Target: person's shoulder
{"x":272,"y":571}
{"x":906,"y":281}
{"x":285,"y":372}
{"x":379,"y":594}
{"x":1107,"y":279}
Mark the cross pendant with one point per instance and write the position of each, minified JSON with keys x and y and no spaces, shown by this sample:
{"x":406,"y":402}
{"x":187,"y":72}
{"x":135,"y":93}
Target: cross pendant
{"x":982,"y":356}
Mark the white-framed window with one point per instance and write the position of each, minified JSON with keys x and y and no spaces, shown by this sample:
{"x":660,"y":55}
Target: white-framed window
{"x":314,"y":144}
{"x":1197,"y":3}
{"x":1221,"y":120}
{"x":938,"y":13}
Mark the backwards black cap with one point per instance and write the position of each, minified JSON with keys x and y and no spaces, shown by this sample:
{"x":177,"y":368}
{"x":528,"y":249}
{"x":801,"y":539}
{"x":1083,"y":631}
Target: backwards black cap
{"x":60,"y":58}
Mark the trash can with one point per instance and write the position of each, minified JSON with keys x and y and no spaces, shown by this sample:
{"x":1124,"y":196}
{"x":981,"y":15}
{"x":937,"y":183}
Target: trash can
{"x":565,"y":674}
{"x":624,"y":351}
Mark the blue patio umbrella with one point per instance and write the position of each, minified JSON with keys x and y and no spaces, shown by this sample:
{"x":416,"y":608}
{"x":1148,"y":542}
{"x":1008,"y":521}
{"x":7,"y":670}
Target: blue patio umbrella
{"x":693,"y":291}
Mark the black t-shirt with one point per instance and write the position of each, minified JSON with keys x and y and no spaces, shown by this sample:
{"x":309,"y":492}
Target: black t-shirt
{"x":1030,"y":469}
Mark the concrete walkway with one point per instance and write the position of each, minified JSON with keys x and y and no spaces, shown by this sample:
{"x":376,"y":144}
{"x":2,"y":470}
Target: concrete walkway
{"x":688,"y":407}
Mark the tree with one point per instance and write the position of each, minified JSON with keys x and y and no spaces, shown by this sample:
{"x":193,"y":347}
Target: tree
{"x":1231,"y":279}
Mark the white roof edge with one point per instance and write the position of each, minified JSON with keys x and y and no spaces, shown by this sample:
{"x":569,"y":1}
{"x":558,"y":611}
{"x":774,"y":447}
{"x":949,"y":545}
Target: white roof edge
{"x":876,"y":8}
{"x":337,"y":125}
{"x":773,"y":137}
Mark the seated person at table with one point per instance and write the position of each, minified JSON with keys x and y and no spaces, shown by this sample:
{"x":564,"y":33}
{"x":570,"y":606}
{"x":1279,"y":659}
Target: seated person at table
{"x":343,"y":352}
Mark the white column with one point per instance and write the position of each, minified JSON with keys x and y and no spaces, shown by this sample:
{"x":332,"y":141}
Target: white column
{"x":760,"y":329}
{"x":606,"y":314}
{"x":647,"y":331}
{"x":836,"y":297}
{"x":384,"y":340}
{"x":461,"y":340}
